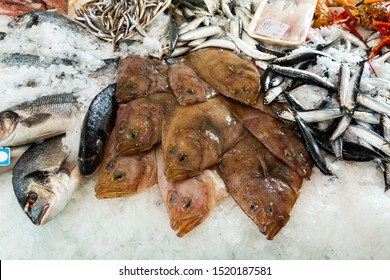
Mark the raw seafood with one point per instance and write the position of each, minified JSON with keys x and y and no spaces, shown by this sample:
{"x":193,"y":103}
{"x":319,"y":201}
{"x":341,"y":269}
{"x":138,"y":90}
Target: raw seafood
{"x":278,"y":137}
{"x":140,"y":76}
{"x":97,"y":126}
{"x":188,"y":87}
{"x":44,"y":179}
{"x":195,"y":137}
{"x":18,"y":7}
{"x":191,"y":201}
{"x":125,"y":175}
{"x":231,"y":75}
{"x":139,"y":122}
{"x":42,"y":118}
{"x":262,"y":185}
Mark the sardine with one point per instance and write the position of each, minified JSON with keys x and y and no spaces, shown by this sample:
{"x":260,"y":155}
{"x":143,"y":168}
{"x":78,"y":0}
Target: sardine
{"x":262,"y":185}
{"x":31,"y":121}
{"x":125,"y":175}
{"x":140,"y":76}
{"x":139,"y":122}
{"x":44,"y":179}
{"x":191,"y":201}
{"x":280,"y":139}
{"x":195,"y":137}
{"x":96,"y":128}
{"x":188,"y":87}
{"x":228,"y":73}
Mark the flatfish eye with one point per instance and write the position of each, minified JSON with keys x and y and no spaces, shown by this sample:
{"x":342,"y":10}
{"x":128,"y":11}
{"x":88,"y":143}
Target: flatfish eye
{"x":179,"y":88}
{"x":288,"y":154}
{"x":122,"y":127}
{"x":173,"y":198}
{"x":234,"y":92}
{"x":186,"y":203}
{"x":190,"y":91}
{"x":253,"y":206}
{"x":182,"y":157}
{"x":270,"y":210}
{"x":110,"y":165}
{"x":171,"y":151}
{"x":119,"y":176}
{"x":133,"y":134}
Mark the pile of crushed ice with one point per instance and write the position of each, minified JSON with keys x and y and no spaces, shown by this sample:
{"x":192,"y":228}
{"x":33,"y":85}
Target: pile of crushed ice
{"x":334,"y":218}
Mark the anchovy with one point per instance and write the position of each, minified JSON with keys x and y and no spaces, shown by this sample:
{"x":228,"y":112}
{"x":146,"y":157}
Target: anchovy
{"x":304,"y":76}
{"x":292,"y":59}
{"x":261,"y":48}
{"x":196,"y":42}
{"x":276,"y":91}
{"x":248,"y":50}
{"x":217,"y":43}
{"x":374,"y":104}
{"x":97,"y":126}
{"x":180,"y":51}
{"x":236,"y":27}
{"x":311,"y":146}
{"x":341,"y":127}
{"x":226,"y":9}
{"x":344,"y":75}
{"x":201,"y":32}
{"x":337,"y":146}
{"x":366,"y":117}
{"x":385,"y":122}
{"x":194,"y":24}
{"x":353,"y":90}
{"x":371,"y":138}
{"x":266,"y":78}
{"x":312,"y":115}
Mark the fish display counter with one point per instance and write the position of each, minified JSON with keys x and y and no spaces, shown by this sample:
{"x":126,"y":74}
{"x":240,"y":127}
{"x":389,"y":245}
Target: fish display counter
{"x":165,"y":131}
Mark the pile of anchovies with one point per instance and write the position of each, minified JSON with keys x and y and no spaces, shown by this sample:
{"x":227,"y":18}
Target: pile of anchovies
{"x":351,"y":123}
{"x":113,"y":20}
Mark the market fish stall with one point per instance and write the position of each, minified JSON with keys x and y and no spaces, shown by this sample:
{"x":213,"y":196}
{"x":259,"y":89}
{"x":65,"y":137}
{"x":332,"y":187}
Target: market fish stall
{"x":207,"y":184}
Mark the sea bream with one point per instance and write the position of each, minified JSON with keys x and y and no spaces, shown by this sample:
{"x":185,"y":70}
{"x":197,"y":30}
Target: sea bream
{"x":44,"y":117}
{"x":261,"y":184}
{"x":139,"y":122}
{"x":189,"y":202}
{"x":195,"y":137}
{"x":44,"y":179}
{"x":97,"y":126}
{"x":125,"y":175}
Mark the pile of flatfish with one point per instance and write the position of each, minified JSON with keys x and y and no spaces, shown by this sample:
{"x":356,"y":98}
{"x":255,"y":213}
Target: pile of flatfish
{"x":190,"y":127}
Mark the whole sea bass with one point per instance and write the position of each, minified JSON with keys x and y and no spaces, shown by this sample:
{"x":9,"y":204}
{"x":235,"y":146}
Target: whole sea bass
{"x":44,"y":180}
{"x":42,"y":118}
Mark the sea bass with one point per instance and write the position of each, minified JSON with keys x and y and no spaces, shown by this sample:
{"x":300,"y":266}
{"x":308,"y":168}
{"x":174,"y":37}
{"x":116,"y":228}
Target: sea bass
{"x":125,"y":175}
{"x":191,"y":201}
{"x":44,"y":180}
{"x":97,"y":126}
{"x":188,"y":87}
{"x":31,"y":121}
{"x":262,"y":185}
{"x":29,"y":60}
{"x":140,"y":76}
{"x":139,"y":122}
{"x":229,"y":74}
{"x":195,"y":137}
{"x":279,"y":138}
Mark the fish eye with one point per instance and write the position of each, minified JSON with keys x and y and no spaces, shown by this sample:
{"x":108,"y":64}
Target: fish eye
{"x":110,"y":165}
{"x":171,"y":151}
{"x":32,"y":198}
{"x":133,"y":134}
{"x":179,"y":88}
{"x":181,"y":157}
{"x":173,"y":198}
{"x":245,"y":89}
{"x":190,"y":91}
{"x":287,"y":154}
{"x":269,"y":210}
{"x":234,"y":92}
{"x":131,"y":85}
{"x":122,"y":127}
{"x":119,"y":176}
{"x":186,"y":203}
{"x":254,"y":206}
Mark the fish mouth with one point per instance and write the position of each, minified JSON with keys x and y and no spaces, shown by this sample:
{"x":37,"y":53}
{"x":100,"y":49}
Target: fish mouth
{"x":184,"y":226}
{"x":271,"y":229}
{"x":41,"y":218}
{"x":174,"y":174}
{"x":107,"y":190}
{"x":127,"y":149}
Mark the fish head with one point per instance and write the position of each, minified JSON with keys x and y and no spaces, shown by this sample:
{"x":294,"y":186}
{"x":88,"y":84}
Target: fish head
{"x":188,"y":205}
{"x":183,"y":155}
{"x":36,"y":197}
{"x":113,"y":180}
{"x":8,"y":122}
{"x":136,"y":130}
{"x":133,"y":86}
{"x":243,"y":89}
{"x":24,"y":21}
{"x":269,"y":211}
{"x":90,"y":156}
{"x":188,"y":87}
